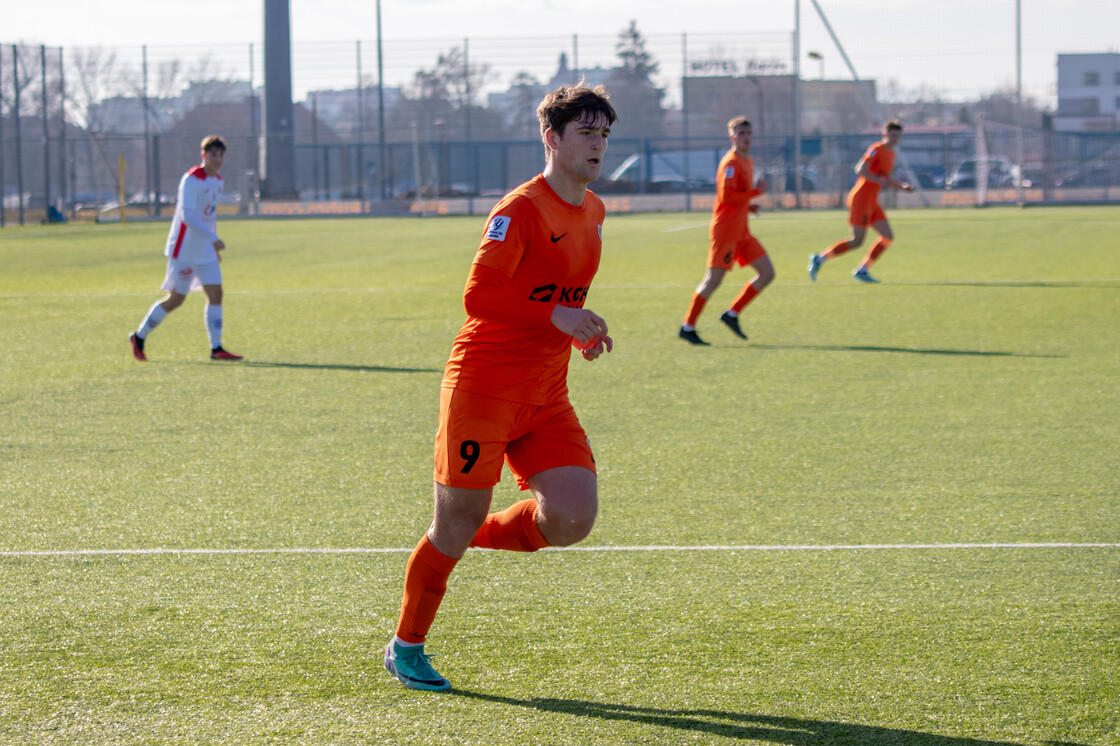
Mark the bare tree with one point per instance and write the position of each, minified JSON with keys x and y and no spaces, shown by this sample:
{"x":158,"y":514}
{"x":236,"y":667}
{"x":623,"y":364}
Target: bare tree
{"x":452,"y":79}
{"x":94,"y":77}
{"x":1002,"y":106}
{"x":22,"y":73}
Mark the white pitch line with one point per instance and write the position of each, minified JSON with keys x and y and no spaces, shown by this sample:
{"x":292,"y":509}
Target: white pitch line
{"x":652,"y":548}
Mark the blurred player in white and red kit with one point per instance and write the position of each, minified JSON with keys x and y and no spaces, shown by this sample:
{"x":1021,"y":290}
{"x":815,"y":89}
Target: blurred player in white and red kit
{"x":193,"y":246}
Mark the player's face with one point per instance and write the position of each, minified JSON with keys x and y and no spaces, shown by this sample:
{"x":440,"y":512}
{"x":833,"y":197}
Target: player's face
{"x":579,"y":149}
{"x":212,"y":160}
{"x":742,"y":138}
{"x":891,"y":137}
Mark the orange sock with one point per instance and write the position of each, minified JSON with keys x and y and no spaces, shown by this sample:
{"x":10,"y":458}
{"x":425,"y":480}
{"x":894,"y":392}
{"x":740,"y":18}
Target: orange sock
{"x":836,"y":249}
{"x":514,"y":529}
{"x":876,"y":249}
{"x":694,"y":309}
{"x":425,"y":582}
{"x":749,"y":293}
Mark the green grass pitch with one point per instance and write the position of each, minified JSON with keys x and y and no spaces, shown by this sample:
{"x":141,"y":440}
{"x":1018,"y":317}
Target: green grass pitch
{"x":873,"y":523}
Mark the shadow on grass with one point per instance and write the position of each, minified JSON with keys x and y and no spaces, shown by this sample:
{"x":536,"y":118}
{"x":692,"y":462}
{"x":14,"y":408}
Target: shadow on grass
{"x":739,"y":725}
{"x":320,"y":366}
{"x":911,"y":350}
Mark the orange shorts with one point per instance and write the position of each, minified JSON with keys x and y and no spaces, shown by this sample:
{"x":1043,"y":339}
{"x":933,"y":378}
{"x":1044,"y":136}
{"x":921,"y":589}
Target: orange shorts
{"x":477,"y":433}
{"x":865,"y":212}
{"x":723,"y":255}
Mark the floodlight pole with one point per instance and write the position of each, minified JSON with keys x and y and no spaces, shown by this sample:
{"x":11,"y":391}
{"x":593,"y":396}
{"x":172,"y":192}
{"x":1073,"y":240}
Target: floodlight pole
{"x":380,"y":110}
{"x":3,"y":223}
{"x":361,"y":128}
{"x":46,"y":137}
{"x":871,"y":103}
{"x":279,"y":180}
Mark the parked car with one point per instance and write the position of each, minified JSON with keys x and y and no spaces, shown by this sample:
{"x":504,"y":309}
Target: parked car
{"x":781,"y":179}
{"x":930,"y":177}
{"x":1001,"y":173}
{"x":668,"y":171}
{"x":1090,"y":175}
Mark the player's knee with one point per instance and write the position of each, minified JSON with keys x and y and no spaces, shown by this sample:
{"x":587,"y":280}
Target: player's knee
{"x":569,"y":526}
{"x":708,"y":286}
{"x":572,"y":532}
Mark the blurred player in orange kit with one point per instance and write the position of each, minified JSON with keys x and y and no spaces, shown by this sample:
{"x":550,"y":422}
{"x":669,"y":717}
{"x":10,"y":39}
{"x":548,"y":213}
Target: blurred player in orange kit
{"x":504,"y":395}
{"x":730,"y":239}
{"x":874,"y":171}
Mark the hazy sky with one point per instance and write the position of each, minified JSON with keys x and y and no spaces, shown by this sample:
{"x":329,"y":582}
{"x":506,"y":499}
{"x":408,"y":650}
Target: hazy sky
{"x":958,"y":47}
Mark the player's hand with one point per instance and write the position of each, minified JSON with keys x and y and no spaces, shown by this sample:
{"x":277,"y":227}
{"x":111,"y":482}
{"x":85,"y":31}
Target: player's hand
{"x":763,"y":186}
{"x":581,"y":323}
{"x":754,"y":209}
{"x":906,"y":187}
{"x":596,"y":347}
{"x":219,"y":245}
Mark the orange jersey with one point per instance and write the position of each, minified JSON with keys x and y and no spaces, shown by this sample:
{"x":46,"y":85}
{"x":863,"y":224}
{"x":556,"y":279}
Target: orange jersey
{"x":537,"y":251}
{"x":880,"y":161}
{"x":734,"y":192}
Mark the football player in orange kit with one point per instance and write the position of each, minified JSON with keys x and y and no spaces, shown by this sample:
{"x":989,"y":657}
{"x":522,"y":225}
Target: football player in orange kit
{"x":874,"y":171}
{"x":730,"y":239}
{"x":504,"y":395}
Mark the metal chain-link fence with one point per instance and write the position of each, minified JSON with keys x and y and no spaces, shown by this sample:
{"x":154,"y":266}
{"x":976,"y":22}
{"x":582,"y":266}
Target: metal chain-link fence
{"x":448,"y":125}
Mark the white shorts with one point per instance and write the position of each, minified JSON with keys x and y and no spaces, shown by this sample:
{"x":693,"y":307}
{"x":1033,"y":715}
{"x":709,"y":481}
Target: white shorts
{"x":183,"y":277}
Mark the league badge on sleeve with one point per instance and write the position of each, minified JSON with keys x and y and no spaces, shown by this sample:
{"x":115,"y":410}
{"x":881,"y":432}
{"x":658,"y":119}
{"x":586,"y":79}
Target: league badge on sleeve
{"x":496,"y":231}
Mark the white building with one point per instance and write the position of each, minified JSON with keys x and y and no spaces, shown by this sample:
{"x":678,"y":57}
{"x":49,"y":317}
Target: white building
{"x":1088,"y":92}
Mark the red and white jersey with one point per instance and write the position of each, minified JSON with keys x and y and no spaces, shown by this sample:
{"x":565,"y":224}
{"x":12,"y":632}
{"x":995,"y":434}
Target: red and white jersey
{"x":194,"y":227}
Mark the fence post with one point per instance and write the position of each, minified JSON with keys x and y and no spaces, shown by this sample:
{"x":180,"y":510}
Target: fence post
{"x":3,"y":222}
{"x":62,"y":149}
{"x":155,"y":173}
{"x":147,"y":133}
{"x":19,"y":134}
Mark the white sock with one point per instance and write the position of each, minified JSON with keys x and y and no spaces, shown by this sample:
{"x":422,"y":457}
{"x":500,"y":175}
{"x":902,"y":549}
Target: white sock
{"x":732,"y":313}
{"x":155,"y":315}
{"x":688,"y":327}
{"x":214,"y":324}
{"x":403,"y":644}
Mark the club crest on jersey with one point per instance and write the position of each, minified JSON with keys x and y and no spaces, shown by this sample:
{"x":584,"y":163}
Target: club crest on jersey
{"x":729,"y":172}
{"x":496,"y":231}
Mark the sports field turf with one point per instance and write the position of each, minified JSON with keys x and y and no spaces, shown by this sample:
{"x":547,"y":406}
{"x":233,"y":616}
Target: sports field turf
{"x":891,"y":517}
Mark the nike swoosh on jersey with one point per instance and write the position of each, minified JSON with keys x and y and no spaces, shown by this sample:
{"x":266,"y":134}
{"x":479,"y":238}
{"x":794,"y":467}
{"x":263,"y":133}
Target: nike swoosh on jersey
{"x":557,"y":238}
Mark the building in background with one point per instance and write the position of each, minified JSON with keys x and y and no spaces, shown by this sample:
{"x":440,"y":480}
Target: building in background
{"x":1088,"y":92}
